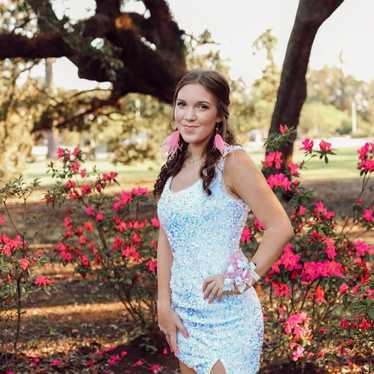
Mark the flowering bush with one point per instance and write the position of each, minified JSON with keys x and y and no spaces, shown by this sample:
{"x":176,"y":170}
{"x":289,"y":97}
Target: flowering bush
{"x":17,"y":260}
{"x":319,"y":294}
{"x":107,"y":236}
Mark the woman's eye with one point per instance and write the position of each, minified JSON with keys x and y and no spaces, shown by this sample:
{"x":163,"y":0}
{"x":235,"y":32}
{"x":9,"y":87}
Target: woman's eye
{"x":180,"y":104}
{"x":203,"y":106}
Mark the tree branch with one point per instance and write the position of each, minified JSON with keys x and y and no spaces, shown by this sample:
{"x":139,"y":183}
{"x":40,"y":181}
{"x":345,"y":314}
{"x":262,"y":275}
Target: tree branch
{"x":40,"y":46}
{"x":165,"y":32}
{"x":108,"y":7}
{"x":134,"y":53}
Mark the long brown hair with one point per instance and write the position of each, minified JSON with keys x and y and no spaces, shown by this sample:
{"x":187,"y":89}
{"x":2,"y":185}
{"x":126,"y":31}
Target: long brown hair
{"x":217,"y":85}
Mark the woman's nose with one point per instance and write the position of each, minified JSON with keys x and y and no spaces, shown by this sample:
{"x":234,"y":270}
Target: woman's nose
{"x":190,"y":115}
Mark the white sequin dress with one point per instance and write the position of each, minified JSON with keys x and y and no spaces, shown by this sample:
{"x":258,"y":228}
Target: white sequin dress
{"x":203,"y":232}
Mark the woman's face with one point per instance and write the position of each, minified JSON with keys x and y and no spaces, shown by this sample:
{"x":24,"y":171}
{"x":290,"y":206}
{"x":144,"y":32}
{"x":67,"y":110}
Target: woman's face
{"x":195,"y":113}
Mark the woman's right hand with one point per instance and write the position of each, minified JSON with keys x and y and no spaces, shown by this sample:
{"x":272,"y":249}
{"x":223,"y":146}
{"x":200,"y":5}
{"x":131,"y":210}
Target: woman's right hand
{"x":168,"y":322}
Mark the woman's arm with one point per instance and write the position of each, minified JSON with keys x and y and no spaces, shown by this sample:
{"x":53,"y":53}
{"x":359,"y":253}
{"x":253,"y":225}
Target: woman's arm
{"x":247,"y":181}
{"x":164,"y":263}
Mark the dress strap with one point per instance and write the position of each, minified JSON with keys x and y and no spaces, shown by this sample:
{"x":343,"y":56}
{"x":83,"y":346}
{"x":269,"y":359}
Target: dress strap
{"x":228,"y":149}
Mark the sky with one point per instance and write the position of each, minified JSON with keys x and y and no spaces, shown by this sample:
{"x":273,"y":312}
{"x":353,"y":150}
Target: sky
{"x":236,"y":24}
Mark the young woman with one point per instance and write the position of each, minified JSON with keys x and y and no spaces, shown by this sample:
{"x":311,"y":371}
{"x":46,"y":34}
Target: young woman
{"x":208,"y":308}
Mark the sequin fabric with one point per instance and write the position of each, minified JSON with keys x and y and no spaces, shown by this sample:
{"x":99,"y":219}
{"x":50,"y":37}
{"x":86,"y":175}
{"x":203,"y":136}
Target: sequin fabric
{"x":203,"y":232}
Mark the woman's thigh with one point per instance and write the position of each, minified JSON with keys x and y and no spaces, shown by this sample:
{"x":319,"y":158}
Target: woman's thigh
{"x":185,"y":369}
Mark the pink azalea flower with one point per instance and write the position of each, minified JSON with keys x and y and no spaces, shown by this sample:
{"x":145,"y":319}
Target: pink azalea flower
{"x":344,"y":324}
{"x":123,"y":353}
{"x":289,"y":260}
{"x":301,"y":211}
{"x":24,"y":263}
{"x":155,"y":368}
{"x":319,"y":295}
{"x":85,"y":261}
{"x":155,"y":222}
{"x":365,"y":324}
{"x":68,"y":223}
{"x":279,"y":180}
{"x":362,"y":248}
{"x":68,"y":234}
{"x":74,"y":167}
{"x":111,"y":176}
{"x":273,"y":158}
{"x":275,"y":267}
{"x":138,"y":363}
{"x":90,"y":211}
{"x":136,"y":238}
{"x":359,"y":201}
{"x":114,"y":360}
{"x":56,"y":362}
{"x":10,"y":245}
{"x":259,"y":225}
{"x":130,"y":252}
{"x":368,"y":215}
{"x":86,"y":189}
{"x":283,"y":129}
{"x":70,"y":184}
{"x":83,"y":172}
{"x":315,"y":270}
{"x":83,"y":240}
{"x":324,"y":146}
{"x":138,"y":191}
{"x":117,"y":243}
{"x":60,"y":152}
{"x":99,"y":216}
{"x":43,"y":281}
{"x":139,"y":225}
{"x":293,"y":168}
{"x":90,"y":363}
{"x":307,"y":145}
{"x":298,"y":353}
{"x":281,"y":289}
{"x":366,"y":154}
{"x":152,"y":265}
{"x":320,"y":210}
{"x":165,"y":351}
{"x":367,"y":166}
{"x":330,"y":248}
{"x":370,"y":293}
{"x":355,"y":289}
{"x":363,"y":151}
{"x":294,"y":320}
{"x":76,"y":152}
{"x":35,"y":361}
{"x":88,"y":226}
{"x":246,"y":235}
{"x":343,"y":288}
{"x":66,"y":256}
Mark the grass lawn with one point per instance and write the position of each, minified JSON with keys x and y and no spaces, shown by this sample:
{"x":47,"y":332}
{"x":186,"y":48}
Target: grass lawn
{"x":340,"y":166}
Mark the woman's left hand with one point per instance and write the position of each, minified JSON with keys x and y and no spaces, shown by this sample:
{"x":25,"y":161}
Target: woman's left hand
{"x":213,"y":287}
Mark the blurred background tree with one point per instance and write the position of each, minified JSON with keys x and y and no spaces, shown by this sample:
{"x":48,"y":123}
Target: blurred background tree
{"x":133,"y":52}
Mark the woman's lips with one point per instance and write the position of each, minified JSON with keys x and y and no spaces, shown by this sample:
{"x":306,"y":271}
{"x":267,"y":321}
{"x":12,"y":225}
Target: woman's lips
{"x":189,"y":128}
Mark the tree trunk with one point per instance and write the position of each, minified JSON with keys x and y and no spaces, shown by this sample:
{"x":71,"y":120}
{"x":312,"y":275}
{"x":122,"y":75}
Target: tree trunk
{"x":292,"y":89}
{"x":51,"y":133}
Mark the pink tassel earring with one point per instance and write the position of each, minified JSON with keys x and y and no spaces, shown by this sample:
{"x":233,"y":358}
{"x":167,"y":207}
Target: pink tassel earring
{"x":171,"y":144}
{"x":219,"y":143}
